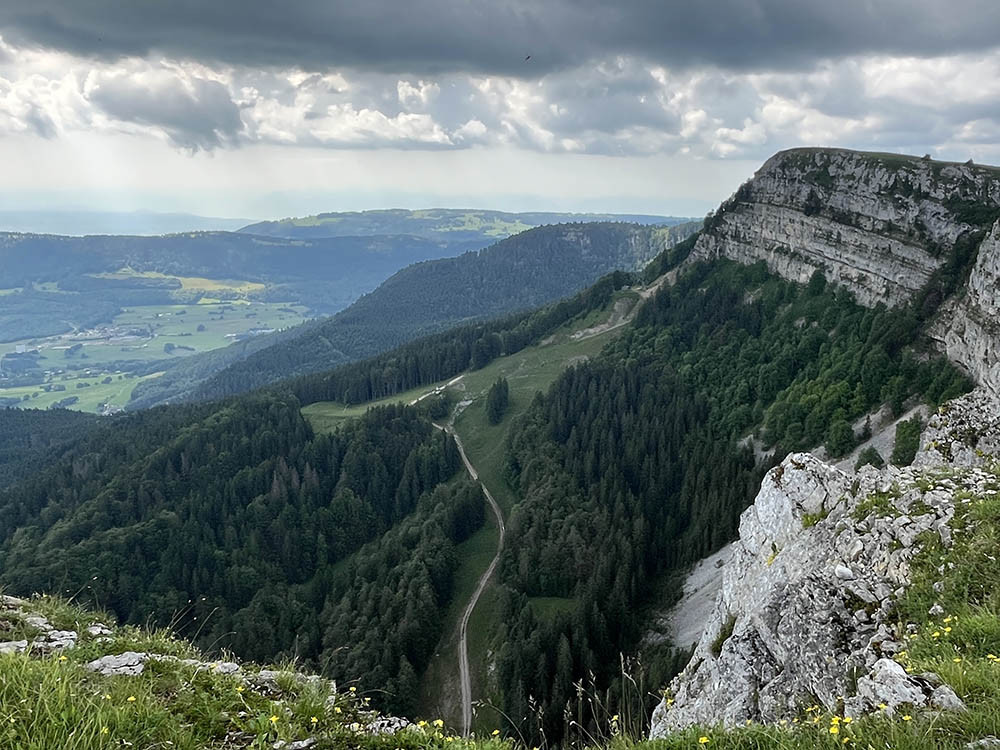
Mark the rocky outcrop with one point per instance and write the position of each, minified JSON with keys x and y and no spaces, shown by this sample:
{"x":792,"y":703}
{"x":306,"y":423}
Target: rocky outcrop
{"x":968,"y":329}
{"x":877,"y":224}
{"x":805,"y":614}
{"x":45,"y":639}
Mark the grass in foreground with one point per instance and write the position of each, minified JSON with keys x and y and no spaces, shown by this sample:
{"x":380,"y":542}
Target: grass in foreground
{"x":53,"y":701}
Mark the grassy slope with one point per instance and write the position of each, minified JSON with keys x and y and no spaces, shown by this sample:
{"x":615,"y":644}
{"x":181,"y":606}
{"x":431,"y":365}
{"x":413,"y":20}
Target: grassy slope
{"x":171,"y":324}
{"x":527,"y":372}
{"x":53,"y":701}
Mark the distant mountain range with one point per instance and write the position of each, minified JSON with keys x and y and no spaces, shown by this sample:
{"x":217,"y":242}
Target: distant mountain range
{"x":517,"y":273}
{"x":79,"y":311}
{"x":444,"y":224}
{"x":146,"y":223}
{"x":453,"y":225}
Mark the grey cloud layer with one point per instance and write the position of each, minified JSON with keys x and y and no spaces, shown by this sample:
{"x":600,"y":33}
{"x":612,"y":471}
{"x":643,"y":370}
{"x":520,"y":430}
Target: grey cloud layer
{"x":195,"y":114}
{"x":423,"y":37}
{"x":729,"y":78}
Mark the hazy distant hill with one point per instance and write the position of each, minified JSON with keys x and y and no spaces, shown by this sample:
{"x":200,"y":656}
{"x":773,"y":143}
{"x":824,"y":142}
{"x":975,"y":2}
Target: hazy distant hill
{"x":518,"y":273}
{"x":444,"y":224}
{"x":324,"y":274}
{"x":112,"y":222}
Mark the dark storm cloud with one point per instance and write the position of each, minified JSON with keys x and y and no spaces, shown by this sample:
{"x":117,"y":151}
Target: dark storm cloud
{"x":494,"y":36}
{"x":199,"y":114}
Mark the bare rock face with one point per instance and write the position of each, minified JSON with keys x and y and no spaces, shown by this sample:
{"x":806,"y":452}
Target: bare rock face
{"x":805,"y":614}
{"x":964,"y":432}
{"x":968,"y":329}
{"x":879,"y":225}
{"x":127,"y":663}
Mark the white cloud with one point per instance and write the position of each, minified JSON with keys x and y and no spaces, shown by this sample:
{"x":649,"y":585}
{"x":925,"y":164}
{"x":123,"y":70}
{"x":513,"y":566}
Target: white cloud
{"x":615,"y":106}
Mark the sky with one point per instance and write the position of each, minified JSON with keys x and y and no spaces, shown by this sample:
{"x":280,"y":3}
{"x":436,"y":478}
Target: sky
{"x":261,"y":109}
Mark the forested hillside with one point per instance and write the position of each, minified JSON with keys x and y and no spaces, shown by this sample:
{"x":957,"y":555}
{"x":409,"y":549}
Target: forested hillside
{"x":519,"y":273}
{"x":325,"y":273}
{"x":29,"y":439}
{"x":634,"y":465}
{"x":232,"y":518}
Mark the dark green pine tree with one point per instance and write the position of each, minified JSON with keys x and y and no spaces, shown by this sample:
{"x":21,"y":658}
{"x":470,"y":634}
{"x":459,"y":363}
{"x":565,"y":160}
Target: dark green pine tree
{"x":497,"y":400}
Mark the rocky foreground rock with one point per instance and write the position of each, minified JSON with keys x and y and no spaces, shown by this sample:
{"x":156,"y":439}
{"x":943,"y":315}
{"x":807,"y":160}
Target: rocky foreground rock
{"x":806,"y":612}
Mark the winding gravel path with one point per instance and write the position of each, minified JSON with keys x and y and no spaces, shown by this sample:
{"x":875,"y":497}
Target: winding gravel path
{"x":463,"y":644}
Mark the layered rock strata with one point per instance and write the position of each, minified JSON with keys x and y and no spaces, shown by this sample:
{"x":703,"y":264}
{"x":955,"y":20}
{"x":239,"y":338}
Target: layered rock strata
{"x":968,"y":329}
{"x":877,"y":224}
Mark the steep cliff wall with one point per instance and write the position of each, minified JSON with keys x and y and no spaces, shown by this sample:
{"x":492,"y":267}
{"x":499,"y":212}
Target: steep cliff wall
{"x":878,"y":224}
{"x":968,"y":329}
{"x":807,"y":612}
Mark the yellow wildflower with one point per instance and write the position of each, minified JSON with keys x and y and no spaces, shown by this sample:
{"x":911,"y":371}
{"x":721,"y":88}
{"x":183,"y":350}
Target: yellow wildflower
{"x":314,"y":721}
{"x":438,"y":723}
{"x":421,"y":723}
{"x":936,"y":634}
{"x":703,"y":740}
{"x":835,"y":729}
{"x":848,"y":719}
{"x":496,"y":732}
{"x":353,"y":689}
{"x":336,"y":710}
{"x":104,"y":730}
{"x":957,"y":659}
{"x":274,"y":719}
{"x":239,"y":688}
{"x":907,"y":717}
{"x":948,"y":629}
{"x":62,"y":657}
{"x":131,"y":699}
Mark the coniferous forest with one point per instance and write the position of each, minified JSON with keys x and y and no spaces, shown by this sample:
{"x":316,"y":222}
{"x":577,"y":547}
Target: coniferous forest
{"x":231,"y":519}
{"x":237,"y":522}
{"x":640,"y":462}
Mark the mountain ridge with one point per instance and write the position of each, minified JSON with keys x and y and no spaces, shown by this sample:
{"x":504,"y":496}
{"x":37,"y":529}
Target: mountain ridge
{"x":448,"y":224}
{"x":874,"y":223}
{"x":634,"y":462}
{"x":518,"y":273}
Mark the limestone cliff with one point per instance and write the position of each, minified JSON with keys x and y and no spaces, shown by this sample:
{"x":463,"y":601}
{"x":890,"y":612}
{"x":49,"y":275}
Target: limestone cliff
{"x":968,"y":329}
{"x":879,"y":224}
{"x":806,"y":615}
